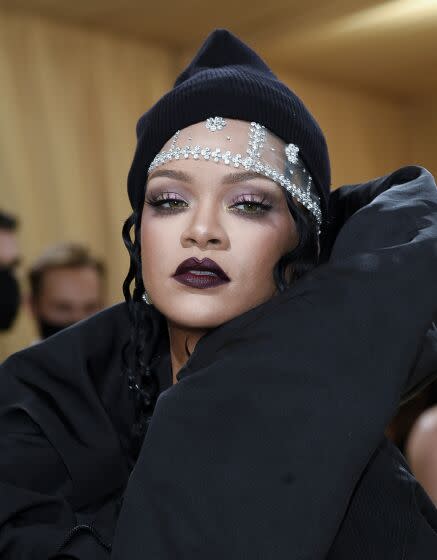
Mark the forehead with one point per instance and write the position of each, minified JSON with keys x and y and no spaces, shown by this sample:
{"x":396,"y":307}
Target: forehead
{"x":70,"y":279}
{"x":192,"y":150}
{"x":226,"y":134}
{"x":209,"y":178}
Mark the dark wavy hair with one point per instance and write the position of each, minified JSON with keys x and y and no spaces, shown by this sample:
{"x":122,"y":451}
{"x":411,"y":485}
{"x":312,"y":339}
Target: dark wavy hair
{"x":148,"y":325}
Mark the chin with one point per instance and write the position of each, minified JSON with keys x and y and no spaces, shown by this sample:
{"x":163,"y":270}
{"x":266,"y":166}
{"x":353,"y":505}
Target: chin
{"x":198,"y":316}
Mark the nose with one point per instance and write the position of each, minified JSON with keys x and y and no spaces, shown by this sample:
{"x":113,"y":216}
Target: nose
{"x":205,"y":228}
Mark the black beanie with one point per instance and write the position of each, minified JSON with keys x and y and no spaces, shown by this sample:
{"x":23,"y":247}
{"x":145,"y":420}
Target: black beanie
{"x":228,"y":79}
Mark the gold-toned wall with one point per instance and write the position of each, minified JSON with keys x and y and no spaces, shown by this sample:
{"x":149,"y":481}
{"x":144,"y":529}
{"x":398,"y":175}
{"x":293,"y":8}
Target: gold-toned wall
{"x":370,"y":134}
{"x":366,"y":132}
{"x":70,"y":100}
{"x":422,"y":131}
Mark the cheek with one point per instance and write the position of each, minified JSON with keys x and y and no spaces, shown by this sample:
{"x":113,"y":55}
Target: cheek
{"x":160,"y":239}
{"x":258,"y":251}
{"x":149,"y":236}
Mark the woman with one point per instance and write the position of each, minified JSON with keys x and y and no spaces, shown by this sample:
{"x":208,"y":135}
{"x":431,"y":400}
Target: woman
{"x":267,"y":442}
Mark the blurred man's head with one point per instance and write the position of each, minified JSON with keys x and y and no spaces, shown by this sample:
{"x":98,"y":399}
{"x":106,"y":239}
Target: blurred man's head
{"x":9,"y":252}
{"x":9,"y":259}
{"x":66,"y":284}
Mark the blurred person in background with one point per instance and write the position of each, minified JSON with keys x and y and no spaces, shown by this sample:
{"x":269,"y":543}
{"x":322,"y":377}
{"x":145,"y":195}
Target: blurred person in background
{"x":9,"y":260}
{"x":421,"y":450}
{"x":414,"y":431}
{"x":66,"y":286}
{"x":400,"y":426}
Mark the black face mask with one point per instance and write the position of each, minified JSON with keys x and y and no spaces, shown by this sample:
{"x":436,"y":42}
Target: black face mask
{"x":9,"y":298}
{"x":47,"y":328}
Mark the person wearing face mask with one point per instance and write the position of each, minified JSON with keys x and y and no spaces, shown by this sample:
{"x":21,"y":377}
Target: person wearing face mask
{"x":66,"y":286}
{"x":9,"y":260}
{"x":234,"y":405}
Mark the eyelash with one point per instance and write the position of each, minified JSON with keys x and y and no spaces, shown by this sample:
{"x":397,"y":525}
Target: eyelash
{"x":262,"y":206}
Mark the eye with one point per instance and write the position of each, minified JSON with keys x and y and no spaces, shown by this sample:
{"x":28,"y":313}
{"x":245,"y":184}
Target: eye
{"x":252,"y":204}
{"x":166,"y":202}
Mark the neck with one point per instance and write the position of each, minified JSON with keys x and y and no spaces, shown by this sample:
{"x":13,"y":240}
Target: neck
{"x":181,"y":339}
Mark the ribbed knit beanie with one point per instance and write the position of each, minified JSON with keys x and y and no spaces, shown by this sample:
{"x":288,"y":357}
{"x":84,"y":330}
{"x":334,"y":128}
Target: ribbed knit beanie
{"x":228,"y":79}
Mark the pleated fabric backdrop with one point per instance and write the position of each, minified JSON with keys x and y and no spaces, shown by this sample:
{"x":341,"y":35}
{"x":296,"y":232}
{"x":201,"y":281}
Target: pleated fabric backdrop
{"x":69,"y":102}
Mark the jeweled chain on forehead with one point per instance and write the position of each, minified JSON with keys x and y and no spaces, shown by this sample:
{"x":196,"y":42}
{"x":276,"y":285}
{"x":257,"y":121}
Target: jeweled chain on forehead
{"x":257,"y":138}
{"x":251,"y":162}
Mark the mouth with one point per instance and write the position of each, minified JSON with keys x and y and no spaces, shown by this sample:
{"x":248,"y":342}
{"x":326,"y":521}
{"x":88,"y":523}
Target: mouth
{"x":201,"y":274}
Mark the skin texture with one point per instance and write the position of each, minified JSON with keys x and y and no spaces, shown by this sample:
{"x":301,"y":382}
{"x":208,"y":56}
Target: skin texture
{"x":421,"y":451}
{"x":68,"y":295}
{"x":9,"y":251}
{"x":215,"y":216}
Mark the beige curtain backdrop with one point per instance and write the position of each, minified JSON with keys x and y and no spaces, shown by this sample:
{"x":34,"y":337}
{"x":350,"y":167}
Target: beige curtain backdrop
{"x":69,"y":101}
{"x":366,"y":133}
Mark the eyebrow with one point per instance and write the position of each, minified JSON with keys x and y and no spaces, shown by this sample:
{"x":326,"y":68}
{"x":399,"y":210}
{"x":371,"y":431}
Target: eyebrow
{"x":230,"y":178}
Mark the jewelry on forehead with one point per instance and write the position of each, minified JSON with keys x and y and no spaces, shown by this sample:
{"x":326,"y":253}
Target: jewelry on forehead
{"x":291,"y":152}
{"x":215,"y":123}
{"x":251,"y":161}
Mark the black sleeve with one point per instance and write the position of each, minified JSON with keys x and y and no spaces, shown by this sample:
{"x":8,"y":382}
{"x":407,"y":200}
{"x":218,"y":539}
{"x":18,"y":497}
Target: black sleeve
{"x":62,"y":467}
{"x":255,"y":453}
{"x":37,"y":519}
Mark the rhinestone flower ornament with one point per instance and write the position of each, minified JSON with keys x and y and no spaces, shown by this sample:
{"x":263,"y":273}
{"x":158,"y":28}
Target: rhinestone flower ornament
{"x":291,"y":151}
{"x":215,"y":123}
{"x":255,"y":149}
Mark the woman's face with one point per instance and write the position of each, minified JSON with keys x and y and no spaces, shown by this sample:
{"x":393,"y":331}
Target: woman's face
{"x":239,"y":219}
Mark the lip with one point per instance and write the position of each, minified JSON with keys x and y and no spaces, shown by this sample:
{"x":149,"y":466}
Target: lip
{"x":184,"y":274}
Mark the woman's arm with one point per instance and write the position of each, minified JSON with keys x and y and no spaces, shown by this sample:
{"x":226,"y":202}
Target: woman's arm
{"x":256,"y":451}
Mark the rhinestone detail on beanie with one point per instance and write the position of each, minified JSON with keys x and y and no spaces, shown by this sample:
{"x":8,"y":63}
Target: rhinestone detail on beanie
{"x":215,"y":123}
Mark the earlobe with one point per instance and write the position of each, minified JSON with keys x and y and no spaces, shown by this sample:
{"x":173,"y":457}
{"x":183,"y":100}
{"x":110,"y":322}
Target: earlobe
{"x":146,"y":298}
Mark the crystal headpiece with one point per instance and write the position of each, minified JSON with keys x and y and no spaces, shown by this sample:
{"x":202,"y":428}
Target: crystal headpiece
{"x":261,"y":151}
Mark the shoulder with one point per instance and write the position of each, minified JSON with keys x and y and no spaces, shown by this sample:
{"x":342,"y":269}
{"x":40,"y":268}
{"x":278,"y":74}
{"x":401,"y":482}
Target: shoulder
{"x":421,"y":447}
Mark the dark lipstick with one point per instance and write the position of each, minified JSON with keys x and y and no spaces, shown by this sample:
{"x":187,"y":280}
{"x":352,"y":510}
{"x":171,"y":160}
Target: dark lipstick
{"x":204,"y":273}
